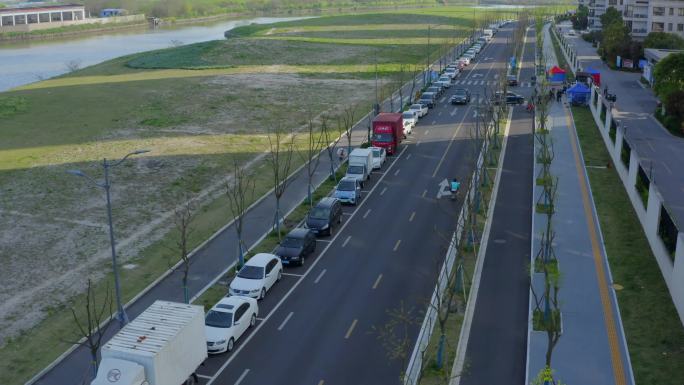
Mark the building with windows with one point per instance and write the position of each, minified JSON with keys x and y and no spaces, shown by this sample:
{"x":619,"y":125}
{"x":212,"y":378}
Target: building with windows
{"x":640,"y":16}
{"x":32,"y":18}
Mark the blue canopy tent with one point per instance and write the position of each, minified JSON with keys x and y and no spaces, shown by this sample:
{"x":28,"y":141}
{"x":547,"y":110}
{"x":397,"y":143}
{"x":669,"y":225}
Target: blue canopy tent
{"x":579,"y":94}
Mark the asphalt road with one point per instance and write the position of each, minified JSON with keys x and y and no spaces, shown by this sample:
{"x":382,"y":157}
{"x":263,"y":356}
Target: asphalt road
{"x":496,"y":351}
{"x":320,"y":325}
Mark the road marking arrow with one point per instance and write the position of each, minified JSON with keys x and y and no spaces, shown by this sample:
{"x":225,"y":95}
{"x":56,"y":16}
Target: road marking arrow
{"x":444,"y":189}
{"x":477,"y":75}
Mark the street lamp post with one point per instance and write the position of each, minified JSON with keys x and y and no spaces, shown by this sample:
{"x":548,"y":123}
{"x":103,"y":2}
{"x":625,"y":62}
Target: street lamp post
{"x":106,"y":185}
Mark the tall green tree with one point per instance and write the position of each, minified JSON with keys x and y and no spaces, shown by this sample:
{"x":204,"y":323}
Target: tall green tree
{"x":669,"y":76}
{"x":663,"y":40}
{"x":580,"y":20}
{"x":611,"y":16}
{"x":616,"y":40}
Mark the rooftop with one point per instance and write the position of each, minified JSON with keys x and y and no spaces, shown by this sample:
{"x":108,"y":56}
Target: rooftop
{"x":657,"y":55}
{"x":40,"y":8}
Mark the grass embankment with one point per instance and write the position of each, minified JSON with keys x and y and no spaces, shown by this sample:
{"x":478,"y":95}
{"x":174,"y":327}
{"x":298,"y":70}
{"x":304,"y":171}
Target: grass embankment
{"x":196,"y":122}
{"x":561,"y":58}
{"x":655,"y":336}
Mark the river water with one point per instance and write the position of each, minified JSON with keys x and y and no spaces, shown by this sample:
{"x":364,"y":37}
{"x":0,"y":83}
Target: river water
{"x":29,"y":61}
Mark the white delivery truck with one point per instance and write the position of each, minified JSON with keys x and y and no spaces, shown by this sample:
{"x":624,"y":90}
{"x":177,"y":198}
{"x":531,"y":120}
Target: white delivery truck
{"x":488,"y":33}
{"x":163,"y":346}
{"x":360,"y":164}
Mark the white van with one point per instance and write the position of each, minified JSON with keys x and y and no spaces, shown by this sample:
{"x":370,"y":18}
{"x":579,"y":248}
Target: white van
{"x":360,"y":164}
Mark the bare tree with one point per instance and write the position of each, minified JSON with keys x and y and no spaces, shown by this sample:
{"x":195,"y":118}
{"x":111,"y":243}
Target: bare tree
{"x":183,"y":216}
{"x":395,"y":336}
{"x":92,"y":329}
{"x":346,"y":123}
{"x":330,"y":148}
{"x":414,"y":79}
{"x":240,"y":191}
{"x":281,"y":150}
{"x":73,"y":65}
{"x":315,"y":143}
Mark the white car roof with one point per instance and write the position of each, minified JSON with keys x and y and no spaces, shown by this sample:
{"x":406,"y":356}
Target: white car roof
{"x":260,"y":260}
{"x":234,"y":301}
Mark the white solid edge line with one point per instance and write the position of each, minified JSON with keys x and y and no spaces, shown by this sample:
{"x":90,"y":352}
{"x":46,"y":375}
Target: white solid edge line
{"x":472,"y":300}
{"x":287,"y":295}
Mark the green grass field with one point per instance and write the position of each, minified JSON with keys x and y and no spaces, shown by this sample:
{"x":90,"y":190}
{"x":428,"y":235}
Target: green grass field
{"x":654,"y":332}
{"x":198,"y":108}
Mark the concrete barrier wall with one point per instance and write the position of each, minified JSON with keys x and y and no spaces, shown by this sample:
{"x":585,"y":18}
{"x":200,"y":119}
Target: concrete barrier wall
{"x":649,"y":214}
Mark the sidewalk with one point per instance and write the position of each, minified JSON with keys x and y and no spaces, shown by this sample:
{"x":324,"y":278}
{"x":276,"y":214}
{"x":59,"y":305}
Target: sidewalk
{"x":592,"y":349}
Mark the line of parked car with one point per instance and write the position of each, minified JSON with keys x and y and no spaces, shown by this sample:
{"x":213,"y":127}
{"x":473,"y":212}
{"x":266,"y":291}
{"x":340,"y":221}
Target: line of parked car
{"x":235,"y":313}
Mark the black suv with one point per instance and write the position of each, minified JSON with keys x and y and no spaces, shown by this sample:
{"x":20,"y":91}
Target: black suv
{"x":326,"y":214}
{"x":461,"y":96}
{"x":510,"y":98}
{"x":428,"y":99}
{"x":296,"y":246}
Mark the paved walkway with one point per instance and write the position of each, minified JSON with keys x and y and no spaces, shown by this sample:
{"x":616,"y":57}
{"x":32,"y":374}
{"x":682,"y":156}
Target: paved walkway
{"x":592,"y":348}
{"x":652,"y":142}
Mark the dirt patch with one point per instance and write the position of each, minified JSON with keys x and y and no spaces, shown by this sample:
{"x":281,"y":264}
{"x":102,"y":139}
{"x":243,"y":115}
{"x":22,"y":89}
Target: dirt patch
{"x":53,"y":231}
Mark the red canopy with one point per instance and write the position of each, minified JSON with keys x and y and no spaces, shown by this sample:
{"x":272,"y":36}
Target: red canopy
{"x":557,"y":70}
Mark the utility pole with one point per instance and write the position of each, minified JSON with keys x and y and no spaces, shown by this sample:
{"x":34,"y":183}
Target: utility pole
{"x":106,"y":185}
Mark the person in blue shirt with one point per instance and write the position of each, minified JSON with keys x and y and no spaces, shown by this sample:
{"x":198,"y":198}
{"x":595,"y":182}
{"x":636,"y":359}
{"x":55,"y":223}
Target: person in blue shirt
{"x":455,"y":185}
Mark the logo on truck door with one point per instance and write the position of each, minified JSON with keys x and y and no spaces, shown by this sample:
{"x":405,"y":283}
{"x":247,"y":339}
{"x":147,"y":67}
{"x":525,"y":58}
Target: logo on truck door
{"x":114,"y":375}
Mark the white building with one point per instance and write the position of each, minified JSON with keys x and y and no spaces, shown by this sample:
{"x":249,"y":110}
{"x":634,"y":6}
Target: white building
{"x":32,"y":18}
{"x":641,"y":16}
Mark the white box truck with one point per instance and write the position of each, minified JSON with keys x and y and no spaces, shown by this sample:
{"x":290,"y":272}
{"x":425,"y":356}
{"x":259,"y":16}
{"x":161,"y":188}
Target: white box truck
{"x":488,"y":33}
{"x":360,"y":164}
{"x":162,"y":346}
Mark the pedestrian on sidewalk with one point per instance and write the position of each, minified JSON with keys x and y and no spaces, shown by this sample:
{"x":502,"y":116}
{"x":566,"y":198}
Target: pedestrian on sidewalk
{"x":559,"y":94}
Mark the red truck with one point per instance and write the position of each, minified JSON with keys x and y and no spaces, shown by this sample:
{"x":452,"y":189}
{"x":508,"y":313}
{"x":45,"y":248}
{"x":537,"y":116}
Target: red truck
{"x":388,"y":131}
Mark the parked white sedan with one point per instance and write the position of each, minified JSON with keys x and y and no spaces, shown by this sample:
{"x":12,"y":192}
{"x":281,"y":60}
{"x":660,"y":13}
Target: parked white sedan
{"x":379,"y":157}
{"x":227,"y":321}
{"x":420,"y":109}
{"x":257,"y":276}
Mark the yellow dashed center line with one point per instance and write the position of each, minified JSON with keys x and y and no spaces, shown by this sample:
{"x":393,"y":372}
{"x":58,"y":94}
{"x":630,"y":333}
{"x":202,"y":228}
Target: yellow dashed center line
{"x":608,"y":316}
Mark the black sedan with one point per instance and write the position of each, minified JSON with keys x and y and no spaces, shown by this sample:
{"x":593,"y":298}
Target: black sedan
{"x":461,"y":96}
{"x":511,"y":98}
{"x":296,"y":246}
